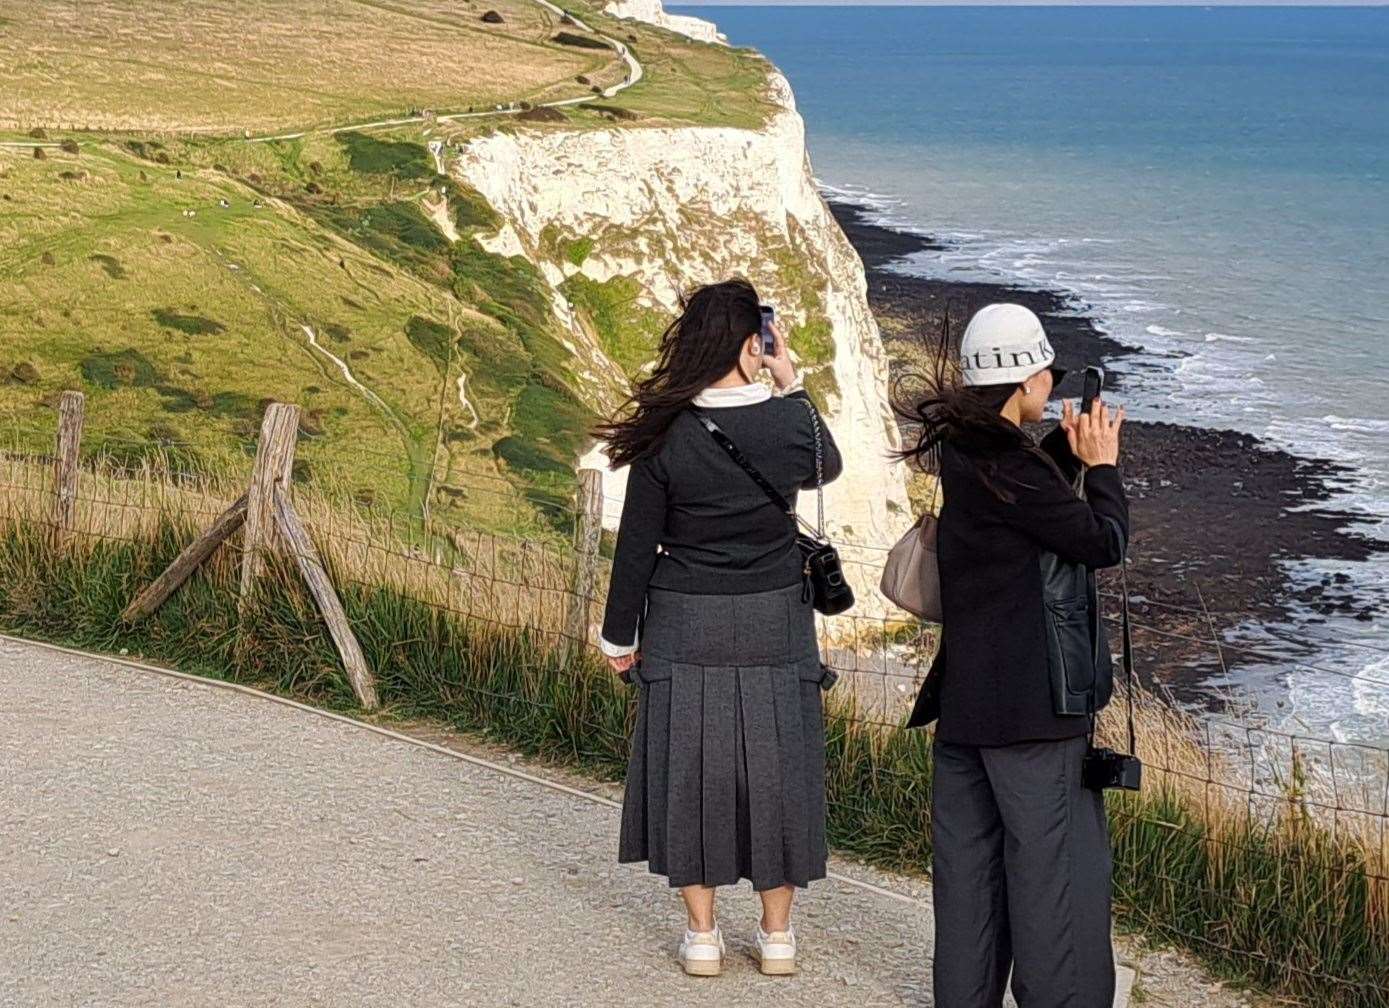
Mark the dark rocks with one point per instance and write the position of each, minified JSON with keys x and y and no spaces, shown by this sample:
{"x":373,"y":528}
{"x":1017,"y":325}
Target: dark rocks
{"x":39,"y":155}
{"x":1215,"y":510}
{"x":492,"y":17}
{"x":69,"y":146}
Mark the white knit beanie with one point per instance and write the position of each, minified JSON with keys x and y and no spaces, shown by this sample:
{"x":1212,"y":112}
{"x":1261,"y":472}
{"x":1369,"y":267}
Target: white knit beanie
{"x":1004,"y":344}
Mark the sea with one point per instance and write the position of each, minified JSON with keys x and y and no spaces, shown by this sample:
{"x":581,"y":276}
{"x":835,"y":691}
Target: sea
{"x":1212,"y":183}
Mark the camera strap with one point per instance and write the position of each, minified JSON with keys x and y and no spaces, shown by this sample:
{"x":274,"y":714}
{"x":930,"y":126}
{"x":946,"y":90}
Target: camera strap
{"x":1127,"y":625}
{"x":1127,"y":660}
{"x":1128,"y":650}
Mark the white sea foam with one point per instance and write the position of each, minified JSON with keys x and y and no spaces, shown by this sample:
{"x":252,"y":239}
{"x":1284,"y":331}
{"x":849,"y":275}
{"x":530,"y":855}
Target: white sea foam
{"x":1208,"y":375}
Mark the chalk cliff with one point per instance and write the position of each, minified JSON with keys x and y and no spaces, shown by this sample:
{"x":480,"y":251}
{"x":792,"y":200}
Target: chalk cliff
{"x":620,"y":220}
{"x":652,"y":12}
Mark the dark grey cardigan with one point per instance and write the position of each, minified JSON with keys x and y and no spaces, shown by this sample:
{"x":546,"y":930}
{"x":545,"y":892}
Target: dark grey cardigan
{"x":717,"y":532}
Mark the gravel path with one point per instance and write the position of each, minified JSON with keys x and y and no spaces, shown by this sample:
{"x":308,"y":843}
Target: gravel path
{"x":174,"y":843}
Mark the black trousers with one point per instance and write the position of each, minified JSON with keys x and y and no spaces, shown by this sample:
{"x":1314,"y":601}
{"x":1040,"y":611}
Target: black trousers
{"x":1021,"y":878}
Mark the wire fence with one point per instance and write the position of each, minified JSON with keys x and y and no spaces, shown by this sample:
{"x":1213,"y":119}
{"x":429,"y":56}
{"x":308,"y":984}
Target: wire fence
{"x":1260,"y":812}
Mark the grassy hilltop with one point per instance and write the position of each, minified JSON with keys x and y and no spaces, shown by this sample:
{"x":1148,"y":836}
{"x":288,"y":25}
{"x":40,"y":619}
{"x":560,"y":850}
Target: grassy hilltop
{"x":203,"y":208}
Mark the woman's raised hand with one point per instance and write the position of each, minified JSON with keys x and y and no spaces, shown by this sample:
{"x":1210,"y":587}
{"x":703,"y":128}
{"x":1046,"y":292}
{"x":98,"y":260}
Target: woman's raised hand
{"x":779,"y":364}
{"x":1094,"y":436}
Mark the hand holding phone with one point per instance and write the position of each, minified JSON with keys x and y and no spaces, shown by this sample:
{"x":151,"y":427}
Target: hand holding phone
{"x":775,"y":357}
{"x":768,"y":332}
{"x":1094,"y":385}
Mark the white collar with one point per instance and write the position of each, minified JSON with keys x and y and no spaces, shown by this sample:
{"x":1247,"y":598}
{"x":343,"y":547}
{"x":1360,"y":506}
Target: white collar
{"x":736,"y":395}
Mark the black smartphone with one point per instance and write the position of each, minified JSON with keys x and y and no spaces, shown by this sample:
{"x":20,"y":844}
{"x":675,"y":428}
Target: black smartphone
{"x":1094,"y":385}
{"x":768,"y":339}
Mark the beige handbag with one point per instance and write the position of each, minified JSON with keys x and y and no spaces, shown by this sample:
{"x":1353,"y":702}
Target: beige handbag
{"x":911,"y":576}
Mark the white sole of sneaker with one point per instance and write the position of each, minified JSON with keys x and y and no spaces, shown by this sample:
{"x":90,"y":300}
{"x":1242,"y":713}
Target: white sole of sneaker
{"x":702,"y":967}
{"x":776,"y":967}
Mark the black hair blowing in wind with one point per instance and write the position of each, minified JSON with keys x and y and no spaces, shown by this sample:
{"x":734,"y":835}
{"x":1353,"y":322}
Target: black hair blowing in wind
{"x":697,"y":349}
{"x":943,"y":409}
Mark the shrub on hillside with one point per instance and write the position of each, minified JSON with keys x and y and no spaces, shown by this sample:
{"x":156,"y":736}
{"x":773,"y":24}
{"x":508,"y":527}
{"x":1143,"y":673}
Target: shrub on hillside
{"x":543,"y":114}
{"x":580,"y":41}
{"x":24,"y":373}
{"x":193,"y":325}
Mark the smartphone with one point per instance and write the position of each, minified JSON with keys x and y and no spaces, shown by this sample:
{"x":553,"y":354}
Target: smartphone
{"x":1094,"y":385}
{"x":768,"y":339}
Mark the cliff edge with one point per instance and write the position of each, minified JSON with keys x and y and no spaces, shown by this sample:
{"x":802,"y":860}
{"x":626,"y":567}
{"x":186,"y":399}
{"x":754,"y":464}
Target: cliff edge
{"x":619,"y":221}
{"x":653,"y":13}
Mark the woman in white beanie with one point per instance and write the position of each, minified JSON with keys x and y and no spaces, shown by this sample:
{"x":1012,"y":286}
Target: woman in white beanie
{"x":1021,"y":847}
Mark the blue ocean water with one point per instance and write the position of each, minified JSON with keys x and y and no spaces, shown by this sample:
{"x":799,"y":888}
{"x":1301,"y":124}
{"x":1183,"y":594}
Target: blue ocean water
{"x":1214,"y":182}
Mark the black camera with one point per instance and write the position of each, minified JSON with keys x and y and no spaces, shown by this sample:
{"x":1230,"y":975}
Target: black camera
{"x":1104,"y":769}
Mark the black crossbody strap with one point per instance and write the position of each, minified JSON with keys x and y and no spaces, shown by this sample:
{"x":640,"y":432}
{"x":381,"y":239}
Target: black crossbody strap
{"x":736,"y":454}
{"x":1128,"y":651}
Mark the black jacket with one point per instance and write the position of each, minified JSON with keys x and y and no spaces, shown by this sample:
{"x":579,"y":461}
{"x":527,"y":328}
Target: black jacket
{"x":1017,"y":593}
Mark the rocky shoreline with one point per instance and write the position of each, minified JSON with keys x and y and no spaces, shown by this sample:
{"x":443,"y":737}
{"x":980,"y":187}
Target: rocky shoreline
{"x":1214,"y":511}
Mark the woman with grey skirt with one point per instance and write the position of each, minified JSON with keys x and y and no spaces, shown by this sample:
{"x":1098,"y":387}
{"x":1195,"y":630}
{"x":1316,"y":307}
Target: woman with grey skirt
{"x":709,"y":616}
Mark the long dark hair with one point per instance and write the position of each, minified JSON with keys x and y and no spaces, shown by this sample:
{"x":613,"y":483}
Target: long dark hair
{"x":944,"y":410}
{"x":697,"y":349}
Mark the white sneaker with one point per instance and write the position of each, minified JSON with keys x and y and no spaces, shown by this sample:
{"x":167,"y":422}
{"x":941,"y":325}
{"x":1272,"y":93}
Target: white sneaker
{"x":701,"y":952}
{"x":776,"y":952}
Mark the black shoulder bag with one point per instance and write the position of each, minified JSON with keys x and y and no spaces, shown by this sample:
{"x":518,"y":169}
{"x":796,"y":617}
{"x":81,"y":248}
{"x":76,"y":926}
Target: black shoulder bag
{"x":822,"y":572}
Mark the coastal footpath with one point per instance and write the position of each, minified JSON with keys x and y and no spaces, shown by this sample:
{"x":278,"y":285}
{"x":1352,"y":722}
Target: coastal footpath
{"x":189,"y":841}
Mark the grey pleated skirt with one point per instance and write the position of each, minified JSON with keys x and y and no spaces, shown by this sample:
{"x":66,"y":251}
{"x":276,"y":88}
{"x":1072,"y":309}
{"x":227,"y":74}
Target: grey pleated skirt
{"x":727,"y":774}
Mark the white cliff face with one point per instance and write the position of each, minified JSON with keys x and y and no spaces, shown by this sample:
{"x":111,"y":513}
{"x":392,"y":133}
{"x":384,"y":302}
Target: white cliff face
{"x":674,"y":208}
{"x":652,"y":12}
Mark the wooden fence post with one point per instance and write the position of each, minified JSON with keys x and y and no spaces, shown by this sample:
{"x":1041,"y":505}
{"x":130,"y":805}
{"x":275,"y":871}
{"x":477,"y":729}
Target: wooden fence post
{"x":588,"y":534}
{"x":311,"y":566}
{"x":266,"y":511}
{"x":158,"y":590}
{"x":279,"y":433}
{"x":72,"y":410}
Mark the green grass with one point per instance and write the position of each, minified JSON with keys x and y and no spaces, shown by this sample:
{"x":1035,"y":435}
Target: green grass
{"x":628,"y":331}
{"x":684,"y":81}
{"x":1283,"y":905}
{"x":186,"y":325}
{"x":373,"y":155}
{"x":179,"y":272}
